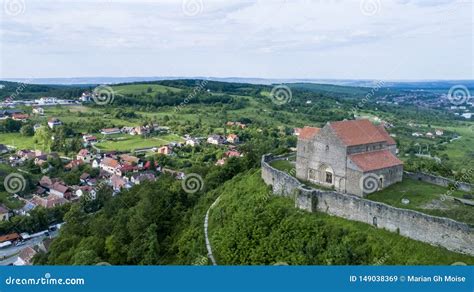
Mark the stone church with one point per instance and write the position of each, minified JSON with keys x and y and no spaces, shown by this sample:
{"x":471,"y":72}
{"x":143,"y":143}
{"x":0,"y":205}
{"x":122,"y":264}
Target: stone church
{"x":355,"y":157}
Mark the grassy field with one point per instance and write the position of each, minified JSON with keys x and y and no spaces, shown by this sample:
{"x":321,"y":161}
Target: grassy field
{"x":426,"y":198}
{"x":245,"y":230}
{"x":129,"y":143}
{"x":142,"y":89}
{"x":17,"y":140}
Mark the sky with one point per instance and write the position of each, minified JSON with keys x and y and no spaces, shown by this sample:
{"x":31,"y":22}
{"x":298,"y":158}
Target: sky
{"x":333,"y":39}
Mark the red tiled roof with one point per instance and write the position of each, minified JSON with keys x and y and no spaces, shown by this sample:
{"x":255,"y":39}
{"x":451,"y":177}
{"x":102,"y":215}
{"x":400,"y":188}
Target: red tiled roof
{"x":110,"y":162}
{"x":308,"y":132}
{"x":357,"y":132}
{"x":11,"y":236}
{"x":368,"y":161}
{"x":83,"y":152}
{"x":59,"y":187}
{"x":388,"y":138}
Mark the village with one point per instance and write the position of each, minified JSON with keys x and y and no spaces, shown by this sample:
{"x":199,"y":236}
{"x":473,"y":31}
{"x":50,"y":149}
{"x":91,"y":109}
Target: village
{"x":115,"y":170}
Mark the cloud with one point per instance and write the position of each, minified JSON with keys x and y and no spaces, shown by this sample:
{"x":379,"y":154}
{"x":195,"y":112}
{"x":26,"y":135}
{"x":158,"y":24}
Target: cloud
{"x":250,"y":38}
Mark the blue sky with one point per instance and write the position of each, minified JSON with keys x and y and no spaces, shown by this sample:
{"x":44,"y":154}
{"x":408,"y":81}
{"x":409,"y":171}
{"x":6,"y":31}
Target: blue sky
{"x":344,"y":39}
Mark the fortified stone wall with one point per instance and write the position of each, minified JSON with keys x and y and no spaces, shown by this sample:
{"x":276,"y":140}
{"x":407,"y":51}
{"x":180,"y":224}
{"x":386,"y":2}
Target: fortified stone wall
{"x":452,"y":235}
{"x":438,"y":180}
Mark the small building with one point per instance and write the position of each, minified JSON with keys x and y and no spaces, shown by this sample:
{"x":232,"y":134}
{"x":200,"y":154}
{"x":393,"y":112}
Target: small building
{"x":215,"y":139}
{"x":60,"y":190}
{"x":141,"y":177}
{"x":20,"y":117}
{"x":25,"y":258}
{"x":48,"y":202}
{"x":110,"y":131}
{"x":89,"y":139}
{"x":192,"y":142}
{"x":233,"y":138}
{"x":232,"y":153}
{"x":166,"y":150}
{"x":85,"y":155}
{"x":439,"y":132}
{"x":4,"y":213}
{"x":54,"y":122}
{"x":38,"y":111}
{"x":111,"y":166}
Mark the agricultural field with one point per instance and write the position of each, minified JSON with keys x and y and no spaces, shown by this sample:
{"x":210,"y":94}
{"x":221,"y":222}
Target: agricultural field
{"x":130,"y":143}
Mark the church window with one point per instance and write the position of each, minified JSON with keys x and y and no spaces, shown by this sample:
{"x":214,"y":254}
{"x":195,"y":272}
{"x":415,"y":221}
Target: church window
{"x":328,"y":177}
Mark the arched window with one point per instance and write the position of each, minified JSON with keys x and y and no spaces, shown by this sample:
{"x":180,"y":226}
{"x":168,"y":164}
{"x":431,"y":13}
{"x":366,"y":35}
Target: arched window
{"x":327,"y":147}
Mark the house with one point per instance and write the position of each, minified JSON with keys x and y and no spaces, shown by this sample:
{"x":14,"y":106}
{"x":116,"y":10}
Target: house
{"x":141,"y":177}
{"x":232,"y":153}
{"x":3,"y":149}
{"x":85,"y":97}
{"x":25,"y":257}
{"x":4,"y":213}
{"x":215,"y":139}
{"x":233,"y":138}
{"x":110,"y":131}
{"x":111,"y":166}
{"x":85,"y":155}
{"x":220,"y":162}
{"x":429,"y":135}
{"x":60,"y":190}
{"x":20,"y":117}
{"x":48,"y":202}
{"x":129,"y":159}
{"x":89,"y":139}
{"x":417,"y":134}
{"x":84,"y":177}
{"x":87,"y":191}
{"x":439,"y":132}
{"x":10,"y":237}
{"x":73,"y":164}
{"x":166,"y":150}
{"x":38,"y":111}
{"x":117,"y":183}
{"x":354,"y":157}
{"x":176,"y":174}
{"x":192,"y":142}
{"x":54,"y":122}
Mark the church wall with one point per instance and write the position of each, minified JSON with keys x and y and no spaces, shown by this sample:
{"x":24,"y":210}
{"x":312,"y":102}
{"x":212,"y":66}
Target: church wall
{"x":437,"y":231}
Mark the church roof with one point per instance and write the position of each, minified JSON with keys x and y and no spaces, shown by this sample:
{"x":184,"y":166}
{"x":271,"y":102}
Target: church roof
{"x":368,"y":161}
{"x":357,"y":132}
{"x":308,"y":132}
{"x":388,"y":138}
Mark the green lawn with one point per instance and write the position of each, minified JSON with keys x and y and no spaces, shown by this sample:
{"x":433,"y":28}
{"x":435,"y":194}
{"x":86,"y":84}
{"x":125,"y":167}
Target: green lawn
{"x":17,"y":140}
{"x":426,"y":198}
{"x":129,"y":143}
{"x":283,"y":165}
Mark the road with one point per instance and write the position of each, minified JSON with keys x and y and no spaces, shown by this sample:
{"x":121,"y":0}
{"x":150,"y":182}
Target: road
{"x":9,"y":251}
{"x":208,"y":242}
